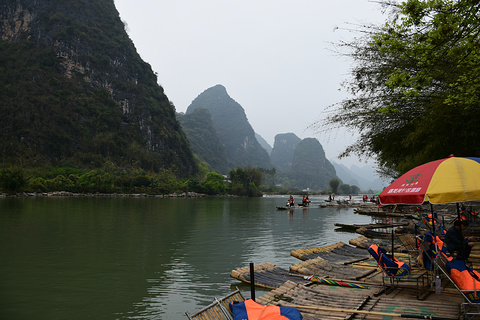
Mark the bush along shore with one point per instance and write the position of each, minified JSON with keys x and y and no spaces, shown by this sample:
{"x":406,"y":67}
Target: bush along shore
{"x":115,"y":181}
{"x":112,"y":195}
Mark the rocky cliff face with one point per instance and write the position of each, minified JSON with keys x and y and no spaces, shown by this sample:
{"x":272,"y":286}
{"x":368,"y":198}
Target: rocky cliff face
{"x":283,"y":150}
{"x":234,"y":131}
{"x":203,"y":138}
{"x":94,"y":57}
{"x":301,"y":163}
{"x":310,"y":168}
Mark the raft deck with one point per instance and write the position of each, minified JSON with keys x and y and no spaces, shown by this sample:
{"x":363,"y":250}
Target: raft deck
{"x":336,"y":301}
{"x":339,"y":248}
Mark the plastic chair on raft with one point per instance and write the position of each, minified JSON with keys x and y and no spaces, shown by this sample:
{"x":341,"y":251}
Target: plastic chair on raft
{"x":396,"y":270}
{"x":388,"y":263}
{"x":466,"y":281}
{"x":430,"y":246}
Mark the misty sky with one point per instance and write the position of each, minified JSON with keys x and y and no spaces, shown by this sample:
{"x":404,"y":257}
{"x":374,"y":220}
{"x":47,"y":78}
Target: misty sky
{"x":274,"y":57}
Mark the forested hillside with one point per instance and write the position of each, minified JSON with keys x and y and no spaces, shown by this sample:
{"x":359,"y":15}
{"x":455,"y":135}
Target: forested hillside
{"x":74,"y":92}
{"x":310,"y":167}
{"x":283,"y":150}
{"x":203,"y":138}
{"x":233,"y":129}
{"x":301,"y":163}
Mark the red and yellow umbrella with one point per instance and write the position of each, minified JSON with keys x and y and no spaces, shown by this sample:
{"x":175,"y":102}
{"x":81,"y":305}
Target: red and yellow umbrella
{"x":454,"y":179}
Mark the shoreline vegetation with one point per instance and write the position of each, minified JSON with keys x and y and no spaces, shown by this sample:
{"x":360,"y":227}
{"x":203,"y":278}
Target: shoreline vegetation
{"x":112,"y":181}
{"x":112,"y":195}
{"x":66,"y":194}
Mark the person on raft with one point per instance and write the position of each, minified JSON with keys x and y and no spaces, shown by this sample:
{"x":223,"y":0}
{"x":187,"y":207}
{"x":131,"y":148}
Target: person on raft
{"x":290,"y":202}
{"x":305,"y":201}
{"x":456,"y":242}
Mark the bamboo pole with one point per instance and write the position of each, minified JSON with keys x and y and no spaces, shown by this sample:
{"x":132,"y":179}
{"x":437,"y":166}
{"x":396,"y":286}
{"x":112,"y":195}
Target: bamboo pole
{"x":386,"y":314}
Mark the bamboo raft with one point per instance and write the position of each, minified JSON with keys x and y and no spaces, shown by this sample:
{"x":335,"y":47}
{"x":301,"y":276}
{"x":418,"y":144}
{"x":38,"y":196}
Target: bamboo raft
{"x":384,"y":213}
{"x":267,"y":275}
{"x":325,"y":302}
{"x":323,"y":268}
{"x":340,"y":248}
{"x":370,"y":225}
{"x":364,"y":242}
{"x":283,"y":208}
{"x":374,"y":234}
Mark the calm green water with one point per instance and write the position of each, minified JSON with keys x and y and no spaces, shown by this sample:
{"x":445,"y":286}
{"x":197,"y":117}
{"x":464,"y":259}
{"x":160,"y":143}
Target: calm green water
{"x":145,"y":258}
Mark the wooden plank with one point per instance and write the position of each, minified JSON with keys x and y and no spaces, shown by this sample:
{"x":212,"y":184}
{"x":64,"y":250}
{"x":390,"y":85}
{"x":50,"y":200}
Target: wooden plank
{"x":324,"y":268}
{"x":339,"y":248}
{"x":266,"y":275}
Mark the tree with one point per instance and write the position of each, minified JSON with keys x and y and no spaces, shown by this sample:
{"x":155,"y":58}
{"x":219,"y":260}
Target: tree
{"x":214,"y":184}
{"x":245,"y":182}
{"x":12,"y":179}
{"x":334,"y":184}
{"x":415,"y":85}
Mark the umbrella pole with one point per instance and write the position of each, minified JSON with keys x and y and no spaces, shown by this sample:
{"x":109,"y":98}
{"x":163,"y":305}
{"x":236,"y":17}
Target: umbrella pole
{"x":392,"y":243}
{"x":458,"y":212}
{"x":433,"y":226}
{"x":434,"y":233}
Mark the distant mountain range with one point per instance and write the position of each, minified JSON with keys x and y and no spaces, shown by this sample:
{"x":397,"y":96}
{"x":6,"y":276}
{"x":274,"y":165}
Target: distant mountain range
{"x":234,"y":131}
{"x":364,"y":177}
{"x":76,"y":93}
{"x":220,"y":135}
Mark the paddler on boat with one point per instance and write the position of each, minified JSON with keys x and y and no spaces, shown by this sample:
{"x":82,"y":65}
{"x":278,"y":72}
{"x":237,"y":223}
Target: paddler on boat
{"x":290,"y":202}
{"x":305,"y":200}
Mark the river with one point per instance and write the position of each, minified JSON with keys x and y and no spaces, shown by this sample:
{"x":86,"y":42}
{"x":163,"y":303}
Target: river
{"x":145,"y":258}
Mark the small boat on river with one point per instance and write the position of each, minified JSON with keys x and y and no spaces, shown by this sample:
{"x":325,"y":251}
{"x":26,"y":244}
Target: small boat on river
{"x":291,"y":208}
{"x":370,"y":233}
{"x":371,"y":225}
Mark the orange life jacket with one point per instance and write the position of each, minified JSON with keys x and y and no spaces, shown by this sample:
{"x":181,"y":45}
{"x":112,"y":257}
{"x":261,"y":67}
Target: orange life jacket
{"x":466,"y":279}
{"x":252,"y":310}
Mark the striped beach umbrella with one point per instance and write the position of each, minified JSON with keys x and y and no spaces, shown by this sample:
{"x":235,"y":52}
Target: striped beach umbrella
{"x":449,"y":180}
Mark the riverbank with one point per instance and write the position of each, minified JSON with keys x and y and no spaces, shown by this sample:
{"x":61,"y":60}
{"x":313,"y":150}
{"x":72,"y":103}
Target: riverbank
{"x":112,"y":195}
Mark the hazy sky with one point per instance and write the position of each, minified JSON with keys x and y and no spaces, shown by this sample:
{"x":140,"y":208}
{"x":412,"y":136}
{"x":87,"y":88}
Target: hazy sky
{"x":274,"y":57}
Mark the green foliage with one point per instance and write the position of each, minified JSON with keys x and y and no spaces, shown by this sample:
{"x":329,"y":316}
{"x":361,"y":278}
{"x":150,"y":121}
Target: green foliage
{"x":110,"y":179}
{"x":214,"y":184}
{"x":348,"y":189}
{"x":269,"y":176}
{"x":334,"y":184}
{"x":246,"y":182}
{"x":415,"y":85}
{"x":203,"y":139}
{"x":74,"y":92}
{"x":12,"y":180}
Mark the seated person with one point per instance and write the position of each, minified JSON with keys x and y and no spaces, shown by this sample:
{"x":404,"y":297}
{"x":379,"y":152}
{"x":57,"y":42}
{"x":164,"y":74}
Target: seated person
{"x":456,"y":242}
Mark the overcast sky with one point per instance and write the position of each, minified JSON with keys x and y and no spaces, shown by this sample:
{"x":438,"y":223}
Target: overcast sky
{"x":274,"y":57}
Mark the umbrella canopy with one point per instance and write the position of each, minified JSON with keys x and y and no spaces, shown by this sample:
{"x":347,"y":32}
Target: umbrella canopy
{"x":454,"y":179}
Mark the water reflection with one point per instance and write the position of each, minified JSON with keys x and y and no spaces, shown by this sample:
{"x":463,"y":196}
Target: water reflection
{"x":145,"y":258}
